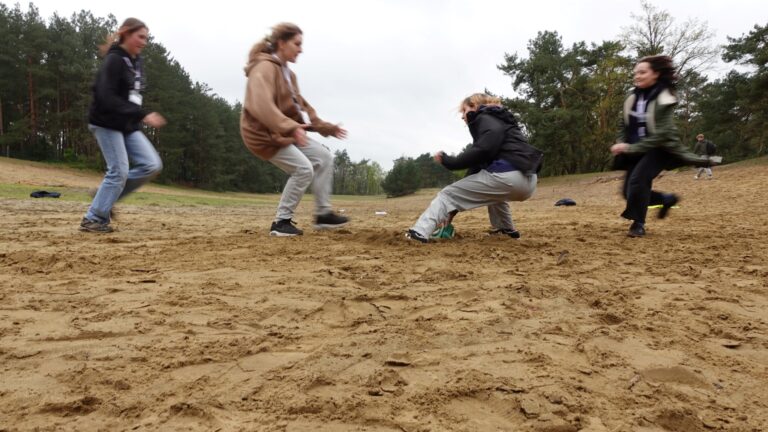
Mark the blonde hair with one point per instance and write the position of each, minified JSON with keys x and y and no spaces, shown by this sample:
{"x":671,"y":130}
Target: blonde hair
{"x":477,"y":99}
{"x":130,"y":26}
{"x":281,"y":32}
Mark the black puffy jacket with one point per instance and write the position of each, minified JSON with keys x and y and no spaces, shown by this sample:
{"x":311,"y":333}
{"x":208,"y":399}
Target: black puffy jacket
{"x":495,"y":135}
{"x":110,"y":107}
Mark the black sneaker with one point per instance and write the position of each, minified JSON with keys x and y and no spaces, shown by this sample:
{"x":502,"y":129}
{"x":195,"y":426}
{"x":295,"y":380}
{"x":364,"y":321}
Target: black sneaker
{"x":330,"y":221}
{"x":88,"y":225}
{"x":636,"y":230}
{"x":669,"y":201}
{"x":285,"y":228}
{"x":515,"y":234}
{"x":414,"y":235}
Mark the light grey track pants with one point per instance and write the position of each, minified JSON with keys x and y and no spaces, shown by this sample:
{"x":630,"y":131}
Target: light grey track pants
{"x":310,"y":164}
{"x":477,"y":190}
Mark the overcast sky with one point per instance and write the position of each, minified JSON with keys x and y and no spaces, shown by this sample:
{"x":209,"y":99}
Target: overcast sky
{"x":393,"y":72}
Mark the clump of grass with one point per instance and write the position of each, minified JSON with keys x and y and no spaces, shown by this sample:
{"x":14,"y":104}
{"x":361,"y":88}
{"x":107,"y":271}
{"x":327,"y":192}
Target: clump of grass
{"x":169,"y":199}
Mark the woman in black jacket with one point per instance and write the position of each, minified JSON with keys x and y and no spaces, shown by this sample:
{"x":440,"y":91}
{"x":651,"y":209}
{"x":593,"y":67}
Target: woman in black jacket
{"x":501,"y":167}
{"x":649,"y":142}
{"x":115,"y":118}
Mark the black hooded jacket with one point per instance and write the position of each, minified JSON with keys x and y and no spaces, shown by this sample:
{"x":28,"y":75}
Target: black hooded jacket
{"x":110,"y":107}
{"x":495,"y":135}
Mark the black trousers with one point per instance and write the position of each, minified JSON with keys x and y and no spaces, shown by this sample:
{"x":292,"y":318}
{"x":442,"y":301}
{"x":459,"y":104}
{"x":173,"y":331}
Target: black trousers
{"x":638,"y":182}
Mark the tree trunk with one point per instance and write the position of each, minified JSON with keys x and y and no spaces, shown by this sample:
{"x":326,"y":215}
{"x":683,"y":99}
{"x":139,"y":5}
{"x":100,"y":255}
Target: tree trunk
{"x":32,"y":108}
{"x":2,"y":131}
{"x":60,"y":131}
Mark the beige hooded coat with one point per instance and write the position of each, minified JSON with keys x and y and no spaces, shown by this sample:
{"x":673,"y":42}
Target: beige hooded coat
{"x":270,"y":115}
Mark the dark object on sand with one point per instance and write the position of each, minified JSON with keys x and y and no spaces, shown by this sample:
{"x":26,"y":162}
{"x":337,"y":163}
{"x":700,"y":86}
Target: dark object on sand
{"x":44,"y":194}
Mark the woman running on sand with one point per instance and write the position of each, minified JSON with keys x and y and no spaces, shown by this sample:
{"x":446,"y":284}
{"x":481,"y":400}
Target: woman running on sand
{"x":274,"y":125}
{"x":501,"y":167}
{"x":648,"y":142}
{"x":116,"y":118}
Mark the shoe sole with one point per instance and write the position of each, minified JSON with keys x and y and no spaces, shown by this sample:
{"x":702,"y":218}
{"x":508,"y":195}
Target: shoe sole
{"x":416,"y":239}
{"x":84,"y":229}
{"x":328,"y":226}
{"x":281,"y":234}
{"x":515,"y":236}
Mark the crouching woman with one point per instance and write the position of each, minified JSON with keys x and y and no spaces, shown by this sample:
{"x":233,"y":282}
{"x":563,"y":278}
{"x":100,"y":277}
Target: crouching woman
{"x":501,"y":167}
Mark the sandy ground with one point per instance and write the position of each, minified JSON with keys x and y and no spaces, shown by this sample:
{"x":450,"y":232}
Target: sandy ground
{"x":193,"y":318}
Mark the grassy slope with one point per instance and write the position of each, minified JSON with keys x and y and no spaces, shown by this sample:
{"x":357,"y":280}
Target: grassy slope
{"x":163,"y":195}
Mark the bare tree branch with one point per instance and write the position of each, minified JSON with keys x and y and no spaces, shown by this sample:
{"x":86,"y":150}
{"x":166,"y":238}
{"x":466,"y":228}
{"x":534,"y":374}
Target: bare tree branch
{"x":654,"y":31}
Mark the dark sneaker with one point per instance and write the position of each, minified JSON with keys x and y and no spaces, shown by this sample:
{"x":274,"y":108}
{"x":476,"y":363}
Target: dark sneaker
{"x":636,"y":230}
{"x":414,"y":235}
{"x":88,"y":225}
{"x":669,"y":201}
{"x":515,"y":234}
{"x":330,"y":221}
{"x":285,"y":228}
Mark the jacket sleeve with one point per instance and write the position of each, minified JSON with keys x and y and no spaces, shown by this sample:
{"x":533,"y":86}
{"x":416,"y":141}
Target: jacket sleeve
{"x":621,"y":132}
{"x":260,"y":101}
{"x":490,"y":136}
{"x":666,"y":137}
{"x":107,"y":92}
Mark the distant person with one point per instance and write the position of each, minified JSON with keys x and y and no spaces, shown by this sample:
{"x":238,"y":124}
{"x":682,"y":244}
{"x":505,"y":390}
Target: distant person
{"x":501,"y":167}
{"x":649,"y":141}
{"x":274,"y":125}
{"x":115,"y":118}
{"x":704,"y":147}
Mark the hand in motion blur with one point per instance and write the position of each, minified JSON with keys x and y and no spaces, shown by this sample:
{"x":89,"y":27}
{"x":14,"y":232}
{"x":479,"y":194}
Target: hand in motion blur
{"x":154,"y":120}
{"x":619,"y":148}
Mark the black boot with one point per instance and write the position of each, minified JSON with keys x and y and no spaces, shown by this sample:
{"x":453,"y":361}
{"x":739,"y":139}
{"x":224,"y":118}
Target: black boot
{"x":637,"y":229}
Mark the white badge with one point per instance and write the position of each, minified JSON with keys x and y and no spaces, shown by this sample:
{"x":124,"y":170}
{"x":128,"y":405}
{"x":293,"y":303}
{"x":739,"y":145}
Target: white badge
{"x":135,"y":97}
{"x":305,"y":117}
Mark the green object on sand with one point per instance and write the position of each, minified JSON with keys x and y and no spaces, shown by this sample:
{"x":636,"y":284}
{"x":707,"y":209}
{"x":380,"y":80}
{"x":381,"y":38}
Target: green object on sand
{"x":660,"y":206}
{"x":444,"y":232}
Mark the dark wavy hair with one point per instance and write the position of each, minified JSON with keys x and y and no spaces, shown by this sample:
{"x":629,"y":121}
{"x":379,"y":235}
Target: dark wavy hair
{"x":664,"y":66}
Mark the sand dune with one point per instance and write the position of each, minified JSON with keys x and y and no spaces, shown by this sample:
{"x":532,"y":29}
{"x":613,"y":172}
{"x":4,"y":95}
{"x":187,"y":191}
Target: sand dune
{"x":192,"y":318}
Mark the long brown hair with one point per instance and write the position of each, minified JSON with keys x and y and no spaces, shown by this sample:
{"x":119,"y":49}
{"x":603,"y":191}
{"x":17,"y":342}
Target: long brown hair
{"x":129,"y":27}
{"x":281,"y":32}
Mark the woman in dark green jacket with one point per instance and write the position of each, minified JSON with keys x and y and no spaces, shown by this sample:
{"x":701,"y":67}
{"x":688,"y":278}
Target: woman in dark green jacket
{"x":648,"y":142}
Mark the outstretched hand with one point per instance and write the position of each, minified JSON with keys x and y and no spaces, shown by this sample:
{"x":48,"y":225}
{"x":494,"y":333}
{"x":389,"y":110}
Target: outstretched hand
{"x":438,"y":157}
{"x":619,"y":148}
{"x":154,"y":120}
{"x":340,"y":132}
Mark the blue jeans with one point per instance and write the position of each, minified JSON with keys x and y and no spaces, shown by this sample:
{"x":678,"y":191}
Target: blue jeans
{"x":118,"y":148}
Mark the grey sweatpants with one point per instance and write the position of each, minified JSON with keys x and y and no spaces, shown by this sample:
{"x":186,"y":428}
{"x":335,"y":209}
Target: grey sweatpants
{"x":702,"y":170}
{"x":310,"y":164}
{"x":482,"y":189}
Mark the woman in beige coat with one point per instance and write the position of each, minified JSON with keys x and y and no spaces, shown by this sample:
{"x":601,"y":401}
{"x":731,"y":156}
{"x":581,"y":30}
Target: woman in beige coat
{"x":274,"y":125}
